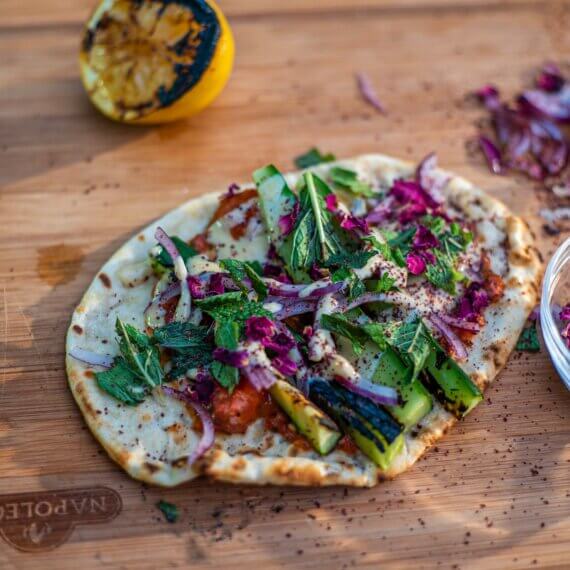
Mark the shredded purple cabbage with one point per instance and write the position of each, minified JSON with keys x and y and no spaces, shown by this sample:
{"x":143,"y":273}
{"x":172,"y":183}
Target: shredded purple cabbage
{"x":415,"y":263}
{"x":235,"y":358}
{"x":259,"y":328}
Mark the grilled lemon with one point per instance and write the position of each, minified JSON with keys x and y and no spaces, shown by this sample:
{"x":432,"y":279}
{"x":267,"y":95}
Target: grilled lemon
{"x":147,"y":61}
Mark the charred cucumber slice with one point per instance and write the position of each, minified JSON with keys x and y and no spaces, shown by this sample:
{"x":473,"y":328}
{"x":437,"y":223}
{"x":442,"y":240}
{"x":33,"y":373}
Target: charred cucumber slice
{"x":447,"y":381}
{"x":375,"y":433}
{"x":416,"y":401}
{"x":317,"y":427}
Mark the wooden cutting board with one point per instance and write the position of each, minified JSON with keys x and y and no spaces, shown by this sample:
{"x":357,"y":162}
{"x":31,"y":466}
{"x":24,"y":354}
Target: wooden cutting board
{"x":495,"y":493}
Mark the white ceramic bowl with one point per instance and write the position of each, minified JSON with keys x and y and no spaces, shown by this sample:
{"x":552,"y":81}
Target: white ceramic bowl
{"x":555,"y":294}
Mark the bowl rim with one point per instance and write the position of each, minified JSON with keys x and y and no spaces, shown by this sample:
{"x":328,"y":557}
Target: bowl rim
{"x":549,"y":327}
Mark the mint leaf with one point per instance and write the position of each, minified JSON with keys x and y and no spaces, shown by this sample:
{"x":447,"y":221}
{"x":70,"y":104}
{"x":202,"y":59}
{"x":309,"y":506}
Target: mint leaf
{"x":391,"y":254}
{"x":355,"y":287}
{"x":313,"y":157}
{"x":341,"y":325}
{"x":413,"y":343}
{"x":190,"y":343}
{"x":348,"y":180}
{"x":317,"y":235}
{"x":169,"y":510}
{"x":528,"y":340}
{"x":226,"y":336}
{"x":355,"y":260}
{"x":180,"y":336}
{"x":122,"y":383}
{"x":233,"y":306}
{"x":239,"y":270}
{"x":140,"y":355}
{"x":382,"y":285}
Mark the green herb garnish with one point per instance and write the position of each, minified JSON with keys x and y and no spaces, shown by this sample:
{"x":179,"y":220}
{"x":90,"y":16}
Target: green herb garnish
{"x":136,"y":371}
{"x":239,"y":270}
{"x":313,"y":157}
{"x":346,"y":179}
{"x":233,"y":306}
{"x":226,"y":336}
{"x":528,"y":340}
{"x":169,"y":510}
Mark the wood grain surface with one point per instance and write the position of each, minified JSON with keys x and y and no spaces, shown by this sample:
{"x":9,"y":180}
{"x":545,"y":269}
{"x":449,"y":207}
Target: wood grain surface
{"x":494,"y":494}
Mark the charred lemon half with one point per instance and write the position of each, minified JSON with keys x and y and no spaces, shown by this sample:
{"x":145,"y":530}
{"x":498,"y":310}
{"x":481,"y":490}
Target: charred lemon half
{"x":152,"y":61}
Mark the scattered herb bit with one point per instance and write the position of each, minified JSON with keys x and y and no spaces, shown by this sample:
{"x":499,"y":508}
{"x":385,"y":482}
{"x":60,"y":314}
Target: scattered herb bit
{"x":354,"y":260}
{"x":528,"y":340}
{"x":313,"y":157}
{"x":382,"y":285}
{"x":348,"y":180}
{"x":356,"y":287}
{"x":240,"y":270}
{"x":226,"y":336}
{"x":169,"y":510}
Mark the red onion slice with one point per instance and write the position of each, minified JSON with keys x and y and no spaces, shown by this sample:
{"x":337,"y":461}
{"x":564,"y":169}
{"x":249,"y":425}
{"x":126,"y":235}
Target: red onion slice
{"x":92,"y":358}
{"x":375,"y":392}
{"x":453,"y":340}
{"x":492,"y":155}
{"x":461,"y":323}
{"x":260,"y":377}
{"x":208,"y":434}
{"x":368,"y":93}
{"x":292,"y":308}
{"x":312,"y":291}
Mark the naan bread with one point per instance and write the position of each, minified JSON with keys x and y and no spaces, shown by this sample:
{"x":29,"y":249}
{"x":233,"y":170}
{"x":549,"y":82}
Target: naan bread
{"x":152,"y":440}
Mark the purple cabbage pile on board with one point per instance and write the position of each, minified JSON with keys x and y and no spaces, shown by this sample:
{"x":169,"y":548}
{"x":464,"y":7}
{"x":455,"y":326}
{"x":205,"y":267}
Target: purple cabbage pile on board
{"x":527,"y":134}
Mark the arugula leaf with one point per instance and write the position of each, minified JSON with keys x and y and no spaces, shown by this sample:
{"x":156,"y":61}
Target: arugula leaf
{"x":122,"y":383}
{"x":141,"y":356}
{"x":348,"y":180}
{"x":313,"y":157}
{"x":226,"y":336}
{"x":528,"y":340}
{"x":233,"y":306}
{"x":185,"y":250}
{"x":413,"y":342}
{"x":341,"y":325}
{"x":435,"y":224}
{"x":239,"y":270}
{"x":169,"y":510}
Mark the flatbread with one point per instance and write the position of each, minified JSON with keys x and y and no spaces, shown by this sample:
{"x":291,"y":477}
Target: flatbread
{"x":152,"y":440}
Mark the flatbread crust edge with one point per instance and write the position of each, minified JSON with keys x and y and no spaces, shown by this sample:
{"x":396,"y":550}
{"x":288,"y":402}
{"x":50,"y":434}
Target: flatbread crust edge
{"x":501,"y":231}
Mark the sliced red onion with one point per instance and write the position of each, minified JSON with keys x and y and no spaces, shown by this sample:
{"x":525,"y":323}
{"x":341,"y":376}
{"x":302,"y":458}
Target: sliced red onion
{"x":291,"y":307}
{"x":164,"y":240}
{"x":461,"y":323}
{"x":453,"y":340}
{"x":154,"y":312}
{"x":208,"y":434}
{"x":428,"y":178}
{"x":312,"y":291}
{"x":375,"y":392}
{"x":260,"y":377}
{"x":184,"y":307}
{"x":555,"y":106}
{"x":492,"y":155}
{"x":368,"y":93}
{"x":394,"y":298}
{"x":92,"y":358}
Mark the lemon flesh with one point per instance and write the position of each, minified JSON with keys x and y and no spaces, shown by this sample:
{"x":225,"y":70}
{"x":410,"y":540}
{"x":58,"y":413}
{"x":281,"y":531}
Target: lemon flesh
{"x":155,"y":61}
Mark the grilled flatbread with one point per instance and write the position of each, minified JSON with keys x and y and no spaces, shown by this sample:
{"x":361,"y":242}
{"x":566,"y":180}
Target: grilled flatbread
{"x":153,"y":440}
